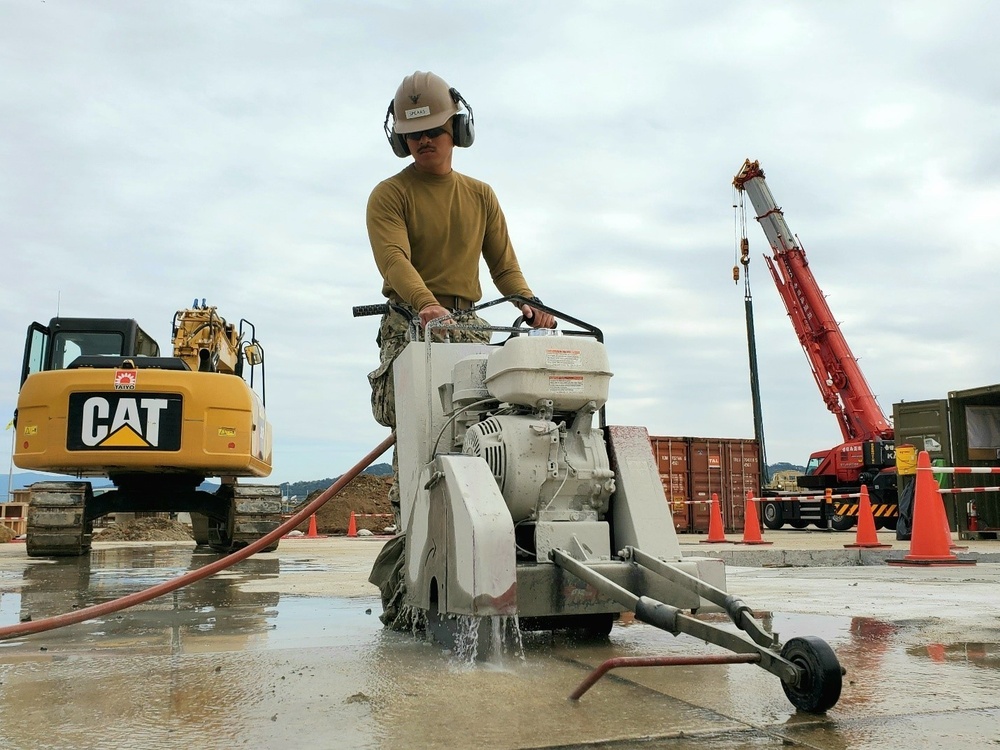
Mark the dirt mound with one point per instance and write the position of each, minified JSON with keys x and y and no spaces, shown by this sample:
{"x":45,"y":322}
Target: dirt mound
{"x":150,"y":529}
{"x":5,"y":534}
{"x":366,"y":494}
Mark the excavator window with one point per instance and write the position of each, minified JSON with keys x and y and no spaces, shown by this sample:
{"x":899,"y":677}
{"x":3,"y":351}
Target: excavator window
{"x":68,"y":345}
{"x":144,"y":345}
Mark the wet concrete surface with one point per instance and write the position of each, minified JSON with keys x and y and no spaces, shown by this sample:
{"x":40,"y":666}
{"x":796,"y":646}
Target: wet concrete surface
{"x":286,"y":650}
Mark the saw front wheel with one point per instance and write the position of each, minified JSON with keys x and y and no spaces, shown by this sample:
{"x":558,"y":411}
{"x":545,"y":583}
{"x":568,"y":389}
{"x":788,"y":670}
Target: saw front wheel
{"x":821,"y":678}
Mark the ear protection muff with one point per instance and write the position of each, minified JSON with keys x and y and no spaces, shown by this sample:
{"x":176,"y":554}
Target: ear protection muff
{"x":463,"y":131}
{"x":396,"y":140}
{"x":463,"y":125}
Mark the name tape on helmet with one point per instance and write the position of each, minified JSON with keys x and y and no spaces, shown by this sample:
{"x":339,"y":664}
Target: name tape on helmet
{"x":418,"y":112}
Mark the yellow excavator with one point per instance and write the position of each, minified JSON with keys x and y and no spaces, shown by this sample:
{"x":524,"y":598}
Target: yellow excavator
{"x":98,"y":400}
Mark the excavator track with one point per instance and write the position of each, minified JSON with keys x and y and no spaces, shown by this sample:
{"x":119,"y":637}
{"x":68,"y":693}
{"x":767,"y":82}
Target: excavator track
{"x":252,"y":512}
{"x":57,"y":525}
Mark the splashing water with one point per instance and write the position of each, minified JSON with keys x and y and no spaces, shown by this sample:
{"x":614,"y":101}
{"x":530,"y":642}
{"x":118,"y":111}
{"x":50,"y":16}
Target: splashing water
{"x":466,"y":638}
{"x":495,"y":637}
{"x":473,"y":639}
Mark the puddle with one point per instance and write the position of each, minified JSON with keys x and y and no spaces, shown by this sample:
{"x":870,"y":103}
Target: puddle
{"x":304,"y":566}
{"x":977,"y":654}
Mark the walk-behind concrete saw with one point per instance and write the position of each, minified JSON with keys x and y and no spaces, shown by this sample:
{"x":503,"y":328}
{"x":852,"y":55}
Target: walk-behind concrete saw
{"x":514,"y":502}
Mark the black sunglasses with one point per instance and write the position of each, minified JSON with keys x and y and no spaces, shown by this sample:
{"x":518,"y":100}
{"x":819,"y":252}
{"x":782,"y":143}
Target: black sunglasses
{"x":432,"y":133}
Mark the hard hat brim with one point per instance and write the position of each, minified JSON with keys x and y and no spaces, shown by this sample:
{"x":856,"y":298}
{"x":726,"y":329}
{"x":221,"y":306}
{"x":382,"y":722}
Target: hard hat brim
{"x":416,"y":124}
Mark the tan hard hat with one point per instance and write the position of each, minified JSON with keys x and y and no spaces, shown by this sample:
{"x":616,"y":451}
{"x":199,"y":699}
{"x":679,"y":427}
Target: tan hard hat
{"x":423,"y":101}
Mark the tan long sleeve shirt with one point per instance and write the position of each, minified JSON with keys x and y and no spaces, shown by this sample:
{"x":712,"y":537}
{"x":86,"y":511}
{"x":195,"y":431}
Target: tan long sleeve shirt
{"x":428,"y":232}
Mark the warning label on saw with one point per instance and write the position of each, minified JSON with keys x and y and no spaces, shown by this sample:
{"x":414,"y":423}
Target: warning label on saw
{"x":562,"y":358}
{"x":566,"y":383}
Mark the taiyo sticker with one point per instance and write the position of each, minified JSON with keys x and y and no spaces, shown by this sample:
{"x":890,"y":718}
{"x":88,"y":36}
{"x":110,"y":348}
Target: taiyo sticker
{"x":418,"y":112}
{"x":124,"y":380}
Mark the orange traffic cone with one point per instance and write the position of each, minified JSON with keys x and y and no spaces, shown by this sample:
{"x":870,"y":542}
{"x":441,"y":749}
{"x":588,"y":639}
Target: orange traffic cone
{"x":867,"y":537}
{"x":715,"y":531}
{"x":352,"y":526}
{"x":929,"y":542}
{"x":312,"y":534}
{"x":751,"y":523}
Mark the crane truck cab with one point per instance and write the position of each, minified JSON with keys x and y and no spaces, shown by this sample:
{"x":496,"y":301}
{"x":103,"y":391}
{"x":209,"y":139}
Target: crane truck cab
{"x":852,"y":464}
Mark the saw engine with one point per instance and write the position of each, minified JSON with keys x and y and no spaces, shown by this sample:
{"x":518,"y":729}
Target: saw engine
{"x":549,"y":461}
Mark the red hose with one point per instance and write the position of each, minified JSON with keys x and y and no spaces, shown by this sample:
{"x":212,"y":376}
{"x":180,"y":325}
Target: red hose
{"x":98,"y":610}
{"x":658,"y":661}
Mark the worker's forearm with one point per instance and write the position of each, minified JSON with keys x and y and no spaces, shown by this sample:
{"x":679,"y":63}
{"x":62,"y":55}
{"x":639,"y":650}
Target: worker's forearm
{"x":404,"y":280}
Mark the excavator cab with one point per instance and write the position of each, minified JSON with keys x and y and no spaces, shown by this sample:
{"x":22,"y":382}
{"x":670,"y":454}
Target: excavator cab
{"x":60,"y":344}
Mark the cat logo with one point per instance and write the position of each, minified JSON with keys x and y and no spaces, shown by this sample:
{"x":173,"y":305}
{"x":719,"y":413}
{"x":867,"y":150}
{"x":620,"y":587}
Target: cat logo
{"x":116,"y":421}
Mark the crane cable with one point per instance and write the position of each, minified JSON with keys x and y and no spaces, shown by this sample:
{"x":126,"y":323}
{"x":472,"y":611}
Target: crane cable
{"x":741,"y":252}
{"x":742,"y":257}
{"x":139,"y":597}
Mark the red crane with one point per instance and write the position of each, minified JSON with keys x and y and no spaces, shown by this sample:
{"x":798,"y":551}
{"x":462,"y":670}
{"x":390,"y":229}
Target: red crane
{"x":867,"y":449}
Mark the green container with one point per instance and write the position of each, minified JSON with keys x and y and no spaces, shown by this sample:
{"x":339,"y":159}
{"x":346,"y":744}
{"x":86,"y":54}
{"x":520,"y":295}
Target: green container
{"x":975,"y":439}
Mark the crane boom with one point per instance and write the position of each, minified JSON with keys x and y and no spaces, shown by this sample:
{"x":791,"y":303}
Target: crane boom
{"x":839,"y":378}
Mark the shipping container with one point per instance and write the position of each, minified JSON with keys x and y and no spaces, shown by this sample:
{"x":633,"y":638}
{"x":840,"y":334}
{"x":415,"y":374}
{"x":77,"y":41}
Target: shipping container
{"x":962,"y":430}
{"x":672,"y":462}
{"x":692,"y":468}
{"x":975,"y":441}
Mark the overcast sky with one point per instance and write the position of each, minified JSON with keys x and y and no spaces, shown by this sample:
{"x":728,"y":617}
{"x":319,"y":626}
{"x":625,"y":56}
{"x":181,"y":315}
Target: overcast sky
{"x":152,"y":153}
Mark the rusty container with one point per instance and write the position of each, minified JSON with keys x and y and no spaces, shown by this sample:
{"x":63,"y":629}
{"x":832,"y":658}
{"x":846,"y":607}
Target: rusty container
{"x":693,"y":468}
{"x":672,"y":462}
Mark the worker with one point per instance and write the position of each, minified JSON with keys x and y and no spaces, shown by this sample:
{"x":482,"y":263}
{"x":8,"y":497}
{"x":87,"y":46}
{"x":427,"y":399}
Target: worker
{"x":429,"y":226}
{"x":906,"y":475}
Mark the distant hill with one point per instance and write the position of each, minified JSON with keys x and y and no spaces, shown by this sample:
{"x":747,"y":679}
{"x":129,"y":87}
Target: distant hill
{"x":301,"y":489}
{"x":22,"y":479}
{"x":784,"y":466}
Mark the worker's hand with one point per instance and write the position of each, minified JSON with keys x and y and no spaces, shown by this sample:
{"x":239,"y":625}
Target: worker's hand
{"x":537,"y":318}
{"x":432,"y":312}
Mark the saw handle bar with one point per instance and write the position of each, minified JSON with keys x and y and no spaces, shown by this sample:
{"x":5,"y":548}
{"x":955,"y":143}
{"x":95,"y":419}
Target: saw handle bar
{"x":587,"y":329}
{"x":363,"y":311}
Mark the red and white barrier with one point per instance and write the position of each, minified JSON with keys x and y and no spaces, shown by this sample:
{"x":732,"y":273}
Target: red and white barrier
{"x":960,"y":490}
{"x":962,"y":469}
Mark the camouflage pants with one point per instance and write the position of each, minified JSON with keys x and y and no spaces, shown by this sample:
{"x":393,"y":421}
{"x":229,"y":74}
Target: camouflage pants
{"x":393,"y":336}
